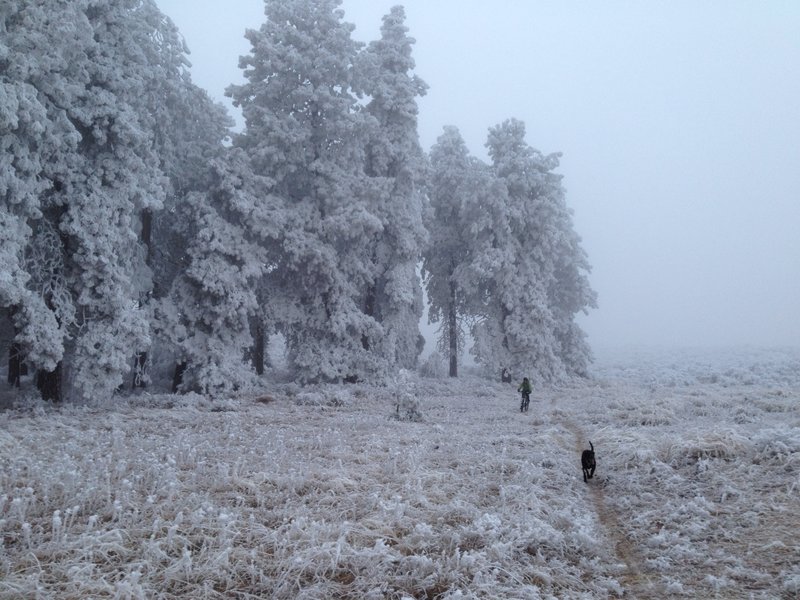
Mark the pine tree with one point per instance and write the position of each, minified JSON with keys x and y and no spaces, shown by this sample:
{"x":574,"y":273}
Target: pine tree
{"x":395,"y":166}
{"x":304,"y":130}
{"x":464,"y":214}
{"x":108,"y":183}
{"x":208,"y":311}
{"x":31,"y":136}
{"x":102,"y":76}
{"x":191,"y":131}
{"x":529,"y":328}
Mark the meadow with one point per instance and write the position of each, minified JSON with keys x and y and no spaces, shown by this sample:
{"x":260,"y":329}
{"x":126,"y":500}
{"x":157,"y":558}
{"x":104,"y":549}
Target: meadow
{"x":426,"y":489}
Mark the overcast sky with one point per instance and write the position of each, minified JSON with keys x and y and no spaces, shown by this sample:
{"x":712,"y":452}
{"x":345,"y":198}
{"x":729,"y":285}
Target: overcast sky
{"x":679,"y":124}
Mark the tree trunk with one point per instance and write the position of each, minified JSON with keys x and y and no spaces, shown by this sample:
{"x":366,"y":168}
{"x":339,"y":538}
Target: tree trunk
{"x":177,"y":377}
{"x":369,"y":310}
{"x":453,"y":331}
{"x":259,"y":346}
{"x":49,"y":384}
{"x":139,"y":370}
{"x":147,"y":235}
{"x":140,"y":363}
{"x":14,"y":364}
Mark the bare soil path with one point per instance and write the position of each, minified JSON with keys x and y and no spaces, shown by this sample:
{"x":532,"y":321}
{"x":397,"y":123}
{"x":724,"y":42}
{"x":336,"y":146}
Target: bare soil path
{"x":634,"y":580}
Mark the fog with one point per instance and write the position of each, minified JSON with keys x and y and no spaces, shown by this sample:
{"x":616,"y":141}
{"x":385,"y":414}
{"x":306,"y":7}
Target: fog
{"x":678,"y":123}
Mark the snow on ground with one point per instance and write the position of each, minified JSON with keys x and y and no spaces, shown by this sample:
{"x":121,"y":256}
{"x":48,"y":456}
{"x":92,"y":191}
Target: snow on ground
{"x":326,"y":494}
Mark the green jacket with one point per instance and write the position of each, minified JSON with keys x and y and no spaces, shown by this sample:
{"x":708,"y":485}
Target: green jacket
{"x":525,"y":386}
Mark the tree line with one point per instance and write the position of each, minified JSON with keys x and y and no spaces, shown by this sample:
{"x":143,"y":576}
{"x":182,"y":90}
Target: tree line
{"x":144,"y":241}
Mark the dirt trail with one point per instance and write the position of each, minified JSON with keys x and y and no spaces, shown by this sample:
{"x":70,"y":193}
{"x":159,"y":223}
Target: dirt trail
{"x":634,"y":580}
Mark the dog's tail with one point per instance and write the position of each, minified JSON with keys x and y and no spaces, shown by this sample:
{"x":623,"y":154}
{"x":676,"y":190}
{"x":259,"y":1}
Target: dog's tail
{"x":592,"y":447}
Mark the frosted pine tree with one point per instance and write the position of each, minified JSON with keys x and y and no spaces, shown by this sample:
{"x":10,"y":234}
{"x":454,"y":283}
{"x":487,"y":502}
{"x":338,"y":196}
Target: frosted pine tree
{"x":191,"y":141}
{"x":114,"y":178}
{"x":463,"y":213}
{"x":305,"y":131}
{"x":190,"y":133}
{"x":395,"y":165}
{"x":207,"y":314}
{"x":97,"y":70}
{"x":30,"y":138}
{"x":46,"y":50}
{"x":529,"y":327}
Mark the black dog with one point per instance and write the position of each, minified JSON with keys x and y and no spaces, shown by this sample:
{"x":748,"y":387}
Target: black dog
{"x":588,"y":463}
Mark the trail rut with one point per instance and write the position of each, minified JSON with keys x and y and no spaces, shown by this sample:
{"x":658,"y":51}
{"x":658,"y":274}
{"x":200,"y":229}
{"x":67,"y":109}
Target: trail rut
{"x":634,"y":579}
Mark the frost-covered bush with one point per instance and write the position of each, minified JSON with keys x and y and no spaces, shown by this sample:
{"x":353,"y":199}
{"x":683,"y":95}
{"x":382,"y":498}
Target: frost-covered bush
{"x":407,"y":407}
{"x":651,"y":416}
{"x":709,"y":444}
{"x":328,"y":397}
{"x":310,"y":399}
{"x":433,"y":366}
{"x":791,"y":583}
{"x":781,"y":446}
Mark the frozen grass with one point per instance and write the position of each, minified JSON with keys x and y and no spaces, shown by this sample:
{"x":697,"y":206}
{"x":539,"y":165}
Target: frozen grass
{"x":329,"y":494}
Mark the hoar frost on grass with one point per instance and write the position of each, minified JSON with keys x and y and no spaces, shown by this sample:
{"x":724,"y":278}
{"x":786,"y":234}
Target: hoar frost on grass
{"x":326,"y":497}
{"x":708,"y":495}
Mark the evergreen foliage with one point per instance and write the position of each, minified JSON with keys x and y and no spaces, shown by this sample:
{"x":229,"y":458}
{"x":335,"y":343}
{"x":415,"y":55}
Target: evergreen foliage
{"x":504,"y":259}
{"x":208,"y":311}
{"x":99,"y":110}
{"x":132,"y":225}
{"x":88,"y":68}
{"x":463,"y":202}
{"x":540,"y":292}
{"x":343,"y":290}
{"x":395,"y":167}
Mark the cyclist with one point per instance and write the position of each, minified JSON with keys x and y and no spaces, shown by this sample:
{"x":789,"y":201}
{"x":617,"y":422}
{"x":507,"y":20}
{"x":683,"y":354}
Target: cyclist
{"x":525,"y":389}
